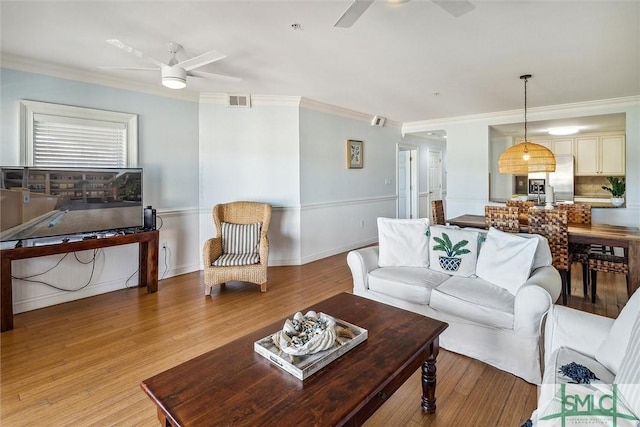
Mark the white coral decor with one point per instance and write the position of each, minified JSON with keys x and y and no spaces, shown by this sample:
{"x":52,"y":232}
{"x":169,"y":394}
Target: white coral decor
{"x":307,"y":334}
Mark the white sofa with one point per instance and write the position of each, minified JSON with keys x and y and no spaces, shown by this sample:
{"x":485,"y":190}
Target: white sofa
{"x":499,"y":324}
{"x":608,"y":348}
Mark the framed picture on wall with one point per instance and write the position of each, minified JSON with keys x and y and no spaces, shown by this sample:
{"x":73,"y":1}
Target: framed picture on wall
{"x":355,"y":154}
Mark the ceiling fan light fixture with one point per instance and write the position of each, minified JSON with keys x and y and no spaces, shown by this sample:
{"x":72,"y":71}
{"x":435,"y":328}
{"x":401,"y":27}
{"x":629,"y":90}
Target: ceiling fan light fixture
{"x":174,"y":77}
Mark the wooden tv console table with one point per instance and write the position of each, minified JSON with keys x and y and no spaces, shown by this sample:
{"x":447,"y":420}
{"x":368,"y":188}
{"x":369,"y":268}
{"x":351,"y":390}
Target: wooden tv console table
{"x":148,"y":264}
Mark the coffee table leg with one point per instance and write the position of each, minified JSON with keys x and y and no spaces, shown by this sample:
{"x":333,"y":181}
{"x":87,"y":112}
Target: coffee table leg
{"x":429,"y":379}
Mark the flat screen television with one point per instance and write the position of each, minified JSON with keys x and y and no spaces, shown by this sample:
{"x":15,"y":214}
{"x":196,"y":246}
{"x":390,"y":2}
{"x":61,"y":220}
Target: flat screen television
{"x":39,"y":202}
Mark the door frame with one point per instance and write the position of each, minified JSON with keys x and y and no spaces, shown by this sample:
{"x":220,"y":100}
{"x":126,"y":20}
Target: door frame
{"x":414,"y":174}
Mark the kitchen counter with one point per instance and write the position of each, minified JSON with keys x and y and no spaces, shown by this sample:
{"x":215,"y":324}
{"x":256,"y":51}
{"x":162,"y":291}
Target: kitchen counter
{"x":595,"y":202}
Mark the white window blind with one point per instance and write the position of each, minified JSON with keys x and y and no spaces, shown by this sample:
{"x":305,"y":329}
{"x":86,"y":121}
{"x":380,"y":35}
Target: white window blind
{"x":65,"y":141}
{"x":56,"y":135}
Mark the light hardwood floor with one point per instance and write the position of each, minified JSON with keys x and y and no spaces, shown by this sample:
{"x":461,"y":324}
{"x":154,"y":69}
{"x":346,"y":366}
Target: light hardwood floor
{"x":81,"y":363}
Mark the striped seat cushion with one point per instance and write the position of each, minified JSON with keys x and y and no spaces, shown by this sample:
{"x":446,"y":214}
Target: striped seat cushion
{"x":240,"y":238}
{"x":234,"y":260}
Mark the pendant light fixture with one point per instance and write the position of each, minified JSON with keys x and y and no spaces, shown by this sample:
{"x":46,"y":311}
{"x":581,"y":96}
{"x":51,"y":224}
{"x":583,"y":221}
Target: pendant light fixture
{"x":526,"y":157}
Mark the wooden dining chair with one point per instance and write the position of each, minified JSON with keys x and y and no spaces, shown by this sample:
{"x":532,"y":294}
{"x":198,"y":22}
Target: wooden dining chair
{"x":437,"y":211}
{"x":605,"y":263}
{"x":554,"y":225}
{"x":523,"y":208}
{"x":502,"y":218}
{"x":578,"y":252}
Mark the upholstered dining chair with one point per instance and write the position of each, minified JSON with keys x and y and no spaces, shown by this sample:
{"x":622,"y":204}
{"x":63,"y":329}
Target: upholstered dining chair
{"x":437,"y":212}
{"x":578,"y":252}
{"x":502,"y":218}
{"x":554,"y":225}
{"x":523,"y":208}
{"x":240,"y":250}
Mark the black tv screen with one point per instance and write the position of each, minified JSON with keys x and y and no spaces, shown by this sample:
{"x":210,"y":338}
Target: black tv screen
{"x":43,"y":202}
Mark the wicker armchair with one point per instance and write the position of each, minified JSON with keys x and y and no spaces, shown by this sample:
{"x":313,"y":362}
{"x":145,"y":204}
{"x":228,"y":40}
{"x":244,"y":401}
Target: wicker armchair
{"x":578,"y":252}
{"x":237,"y":213}
{"x":437,"y":211}
{"x":554,"y":225}
{"x":523,"y":208}
{"x":503,"y":218}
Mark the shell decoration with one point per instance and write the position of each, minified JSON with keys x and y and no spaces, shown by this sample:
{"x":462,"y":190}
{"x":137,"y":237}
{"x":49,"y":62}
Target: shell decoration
{"x":306,"y":334}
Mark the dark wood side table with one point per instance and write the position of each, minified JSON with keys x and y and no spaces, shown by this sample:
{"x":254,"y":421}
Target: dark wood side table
{"x":148,"y":261}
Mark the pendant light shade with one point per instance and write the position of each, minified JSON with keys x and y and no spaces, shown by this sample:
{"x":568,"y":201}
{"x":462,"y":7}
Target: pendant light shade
{"x":526,"y":157}
{"x":514,"y":159}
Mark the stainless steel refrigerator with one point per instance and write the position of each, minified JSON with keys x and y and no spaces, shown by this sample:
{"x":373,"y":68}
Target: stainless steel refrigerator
{"x":561,"y":180}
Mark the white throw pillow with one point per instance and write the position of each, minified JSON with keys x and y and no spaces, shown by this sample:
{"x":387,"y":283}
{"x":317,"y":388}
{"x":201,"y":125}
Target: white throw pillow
{"x":403,"y":242}
{"x":506,"y":259}
{"x":611,"y":350}
{"x":628,"y":378}
{"x":543,"y":255}
{"x":453,"y":251}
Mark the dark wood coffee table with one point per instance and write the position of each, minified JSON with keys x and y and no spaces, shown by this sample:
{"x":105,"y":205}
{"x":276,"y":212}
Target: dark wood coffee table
{"x":233,"y":385}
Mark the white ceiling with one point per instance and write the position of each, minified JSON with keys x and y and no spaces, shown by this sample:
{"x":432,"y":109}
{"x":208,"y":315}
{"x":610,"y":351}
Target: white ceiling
{"x":406,"y":62}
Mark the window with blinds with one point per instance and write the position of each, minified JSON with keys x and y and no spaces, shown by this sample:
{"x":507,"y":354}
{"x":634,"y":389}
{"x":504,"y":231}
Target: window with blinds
{"x":66,"y":136}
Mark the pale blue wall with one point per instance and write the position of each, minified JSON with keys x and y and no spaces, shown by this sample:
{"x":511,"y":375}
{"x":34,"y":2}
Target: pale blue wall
{"x":167,"y":128}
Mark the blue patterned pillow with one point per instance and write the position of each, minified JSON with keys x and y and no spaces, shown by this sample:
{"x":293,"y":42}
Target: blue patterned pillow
{"x":453,"y":251}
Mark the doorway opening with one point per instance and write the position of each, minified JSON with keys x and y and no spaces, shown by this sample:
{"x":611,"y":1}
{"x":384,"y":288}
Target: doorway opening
{"x":406,"y":181}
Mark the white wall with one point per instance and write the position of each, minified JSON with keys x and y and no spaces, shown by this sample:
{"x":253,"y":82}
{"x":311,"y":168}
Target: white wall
{"x":168,"y":153}
{"x":468,"y":150}
{"x":501,"y":185}
{"x":252,"y":154}
{"x":339,"y":206}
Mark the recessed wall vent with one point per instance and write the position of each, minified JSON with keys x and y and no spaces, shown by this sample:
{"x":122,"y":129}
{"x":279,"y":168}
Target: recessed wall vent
{"x":240,"y":100}
{"x":378,"y":121}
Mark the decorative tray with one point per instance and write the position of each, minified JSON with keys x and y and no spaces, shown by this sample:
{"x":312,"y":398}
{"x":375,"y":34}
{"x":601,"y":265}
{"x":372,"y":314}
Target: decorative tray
{"x":303,"y":366}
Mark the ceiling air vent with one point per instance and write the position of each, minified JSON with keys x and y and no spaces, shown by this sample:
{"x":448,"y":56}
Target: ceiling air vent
{"x":239,"y":101}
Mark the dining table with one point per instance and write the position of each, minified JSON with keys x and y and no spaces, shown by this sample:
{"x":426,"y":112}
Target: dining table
{"x":617,"y":236}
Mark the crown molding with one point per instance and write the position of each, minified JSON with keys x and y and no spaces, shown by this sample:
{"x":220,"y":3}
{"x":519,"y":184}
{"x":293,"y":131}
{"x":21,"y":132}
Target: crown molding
{"x":573,"y":108}
{"x":296,"y":101}
{"x":256,"y":100}
{"x":19,"y":63}
{"x":314,"y":105}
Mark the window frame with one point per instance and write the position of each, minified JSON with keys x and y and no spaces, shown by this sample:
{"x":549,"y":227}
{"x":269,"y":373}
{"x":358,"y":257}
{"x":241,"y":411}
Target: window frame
{"x":28,"y":109}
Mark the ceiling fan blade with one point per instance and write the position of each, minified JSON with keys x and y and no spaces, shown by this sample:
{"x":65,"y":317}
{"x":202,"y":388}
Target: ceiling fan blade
{"x":132,"y":50}
{"x":200,"y":60}
{"x":214,"y":76}
{"x":352,"y":14}
{"x":456,"y":8}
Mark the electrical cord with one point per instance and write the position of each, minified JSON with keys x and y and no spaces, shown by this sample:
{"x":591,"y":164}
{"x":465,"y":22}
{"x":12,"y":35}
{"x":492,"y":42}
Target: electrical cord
{"x":166,"y":265}
{"x":93,"y":268}
{"x":126,"y":282}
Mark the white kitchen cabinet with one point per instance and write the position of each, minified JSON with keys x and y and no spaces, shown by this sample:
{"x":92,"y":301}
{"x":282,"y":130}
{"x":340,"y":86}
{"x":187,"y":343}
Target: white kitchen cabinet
{"x":600,"y":155}
{"x":559,"y":147}
{"x":563,"y":147}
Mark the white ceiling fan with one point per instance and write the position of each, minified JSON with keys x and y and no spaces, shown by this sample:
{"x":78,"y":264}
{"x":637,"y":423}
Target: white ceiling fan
{"x":174,"y":74}
{"x":454,"y":7}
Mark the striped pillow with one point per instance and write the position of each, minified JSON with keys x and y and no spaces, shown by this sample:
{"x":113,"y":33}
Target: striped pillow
{"x":628,"y":377}
{"x":241,"y":238}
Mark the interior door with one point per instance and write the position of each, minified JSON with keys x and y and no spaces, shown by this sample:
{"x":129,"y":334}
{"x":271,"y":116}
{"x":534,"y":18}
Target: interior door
{"x":407,"y":181}
{"x":404,"y":184}
{"x":435,"y":177}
